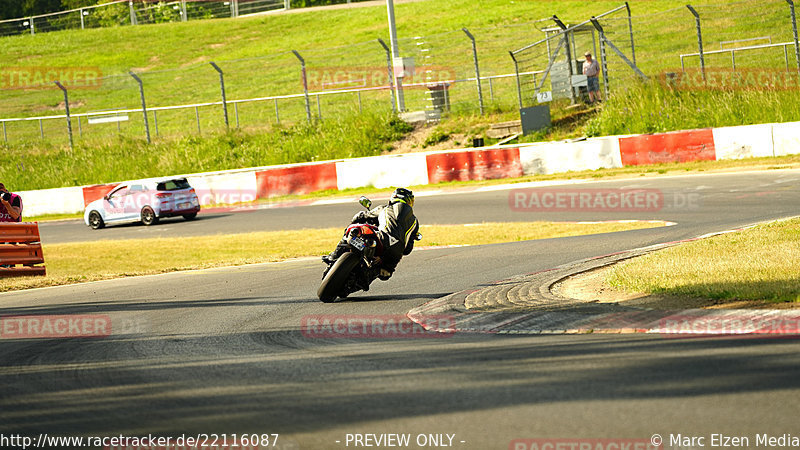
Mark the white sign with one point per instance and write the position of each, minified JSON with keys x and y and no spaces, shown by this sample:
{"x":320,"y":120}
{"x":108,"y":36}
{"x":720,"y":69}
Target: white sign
{"x":544,"y":97}
{"x":108,"y":119}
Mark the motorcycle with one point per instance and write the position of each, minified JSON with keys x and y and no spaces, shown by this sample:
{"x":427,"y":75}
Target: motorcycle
{"x":358,"y":265}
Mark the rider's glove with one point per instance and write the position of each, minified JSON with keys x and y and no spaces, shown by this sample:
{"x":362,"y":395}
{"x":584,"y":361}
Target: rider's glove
{"x":385,"y":275}
{"x":360,"y":217}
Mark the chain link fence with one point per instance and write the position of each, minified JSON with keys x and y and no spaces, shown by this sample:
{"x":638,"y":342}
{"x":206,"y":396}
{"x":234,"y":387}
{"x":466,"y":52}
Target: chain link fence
{"x":707,"y":42}
{"x":458,"y":71}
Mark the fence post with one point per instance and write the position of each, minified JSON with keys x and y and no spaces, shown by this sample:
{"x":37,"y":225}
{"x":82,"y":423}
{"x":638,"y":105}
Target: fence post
{"x":197,"y":118}
{"x":222,"y":87}
{"x":5,"y":134}
{"x":133,"y":13}
{"x":305,"y":81}
{"x":155,"y":121}
{"x":184,"y":15}
{"x":69,"y":120}
{"x":82,"y":22}
{"x":630,"y":31}
{"x":794,"y":30}
{"x":33,"y":31}
{"x":570,"y":62}
{"x":390,"y":72}
{"x":477,"y":69}
{"x":519,"y":86}
{"x":603,"y":57}
{"x":144,"y":106}
{"x":41,"y":129}
{"x":287,"y":4}
{"x":699,"y":40}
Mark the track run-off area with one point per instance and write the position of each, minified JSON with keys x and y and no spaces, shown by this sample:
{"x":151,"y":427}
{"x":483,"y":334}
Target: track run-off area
{"x":224,"y":350}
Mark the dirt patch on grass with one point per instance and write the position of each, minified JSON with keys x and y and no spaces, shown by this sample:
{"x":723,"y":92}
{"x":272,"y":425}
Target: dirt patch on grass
{"x":422,"y":140}
{"x":592,"y":286}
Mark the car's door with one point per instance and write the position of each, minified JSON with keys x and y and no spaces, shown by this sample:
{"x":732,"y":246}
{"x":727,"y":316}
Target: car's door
{"x":114,"y":204}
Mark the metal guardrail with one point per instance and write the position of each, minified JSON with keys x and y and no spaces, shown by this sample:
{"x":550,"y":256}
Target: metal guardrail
{"x":733,"y":51}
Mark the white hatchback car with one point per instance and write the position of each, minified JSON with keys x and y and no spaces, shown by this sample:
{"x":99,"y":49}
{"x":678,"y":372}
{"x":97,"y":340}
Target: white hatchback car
{"x":143,"y":201}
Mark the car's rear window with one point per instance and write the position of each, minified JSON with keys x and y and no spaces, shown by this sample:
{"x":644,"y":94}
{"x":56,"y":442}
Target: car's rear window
{"x":173,"y":185}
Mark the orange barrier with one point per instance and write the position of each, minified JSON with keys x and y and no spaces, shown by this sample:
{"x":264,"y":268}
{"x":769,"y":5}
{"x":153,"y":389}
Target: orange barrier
{"x":21,"y":250}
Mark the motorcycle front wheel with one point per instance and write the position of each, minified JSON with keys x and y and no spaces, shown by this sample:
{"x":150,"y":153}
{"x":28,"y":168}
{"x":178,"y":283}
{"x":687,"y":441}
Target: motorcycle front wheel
{"x":337,"y":276}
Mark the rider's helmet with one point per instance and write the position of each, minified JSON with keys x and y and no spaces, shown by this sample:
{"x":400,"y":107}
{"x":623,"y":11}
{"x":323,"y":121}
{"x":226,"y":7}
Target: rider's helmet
{"x":402,"y":195}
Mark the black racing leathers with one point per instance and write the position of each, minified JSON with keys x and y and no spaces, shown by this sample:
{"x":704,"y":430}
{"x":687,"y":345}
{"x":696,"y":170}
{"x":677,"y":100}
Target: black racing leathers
{"x":397,"y":227}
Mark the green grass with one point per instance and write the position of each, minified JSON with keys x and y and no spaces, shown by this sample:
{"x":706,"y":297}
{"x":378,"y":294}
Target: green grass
{"x":653,"y":108}
{"x":67,"y":263}
{"x":254,"y":53}
{"x":756,"y":264}
{"x":30,"y":168}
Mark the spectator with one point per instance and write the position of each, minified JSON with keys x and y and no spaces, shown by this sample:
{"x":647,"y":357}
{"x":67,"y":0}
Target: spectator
{"x":10,"y":206}
{"x":592,"y":70}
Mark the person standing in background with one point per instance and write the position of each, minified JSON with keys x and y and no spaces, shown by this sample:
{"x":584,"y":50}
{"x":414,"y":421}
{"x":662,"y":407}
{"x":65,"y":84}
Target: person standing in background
{"x":592,"y":71}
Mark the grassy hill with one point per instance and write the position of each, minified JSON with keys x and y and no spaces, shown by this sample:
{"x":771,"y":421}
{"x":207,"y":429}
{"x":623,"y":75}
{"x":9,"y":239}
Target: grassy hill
{"x":255,"y":54}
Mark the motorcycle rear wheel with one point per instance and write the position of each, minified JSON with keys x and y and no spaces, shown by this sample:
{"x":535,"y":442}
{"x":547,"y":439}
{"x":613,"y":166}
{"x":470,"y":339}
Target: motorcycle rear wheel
{"x":334,"y":281}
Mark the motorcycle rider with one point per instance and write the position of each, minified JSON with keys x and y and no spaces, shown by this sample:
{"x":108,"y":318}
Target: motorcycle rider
{"x":397,"y":228}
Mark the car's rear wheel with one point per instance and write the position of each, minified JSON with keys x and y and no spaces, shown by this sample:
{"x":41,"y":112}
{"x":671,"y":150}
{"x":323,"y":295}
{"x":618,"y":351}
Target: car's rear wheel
{"x":190,"y":216}
{"x":95,"y":220}
{"x":149,"y":216}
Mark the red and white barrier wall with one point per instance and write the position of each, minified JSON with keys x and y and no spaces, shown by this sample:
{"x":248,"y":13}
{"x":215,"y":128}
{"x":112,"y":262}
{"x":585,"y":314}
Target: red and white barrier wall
{"x":413,"y":169}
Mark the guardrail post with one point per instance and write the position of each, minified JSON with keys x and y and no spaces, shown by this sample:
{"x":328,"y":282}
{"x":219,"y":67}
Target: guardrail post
{"x":69,"y":120}
{"x":144,"y":106}
{"x":222,"y":87}
{"x":305,"y":81}
{"x":390,"y":72}
{"x":477,"y":69}
{"x":519,"y":85}
{"x":699,"y":40}
{"x":794,"y":30}
{"x":630,"y":31}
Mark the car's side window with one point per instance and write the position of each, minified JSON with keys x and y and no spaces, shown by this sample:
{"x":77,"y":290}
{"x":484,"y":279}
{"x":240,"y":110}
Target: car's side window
{"x":119,"y":192}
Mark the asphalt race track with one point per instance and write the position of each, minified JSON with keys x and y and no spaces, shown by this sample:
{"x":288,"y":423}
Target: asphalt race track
{"x":221,"y":351}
